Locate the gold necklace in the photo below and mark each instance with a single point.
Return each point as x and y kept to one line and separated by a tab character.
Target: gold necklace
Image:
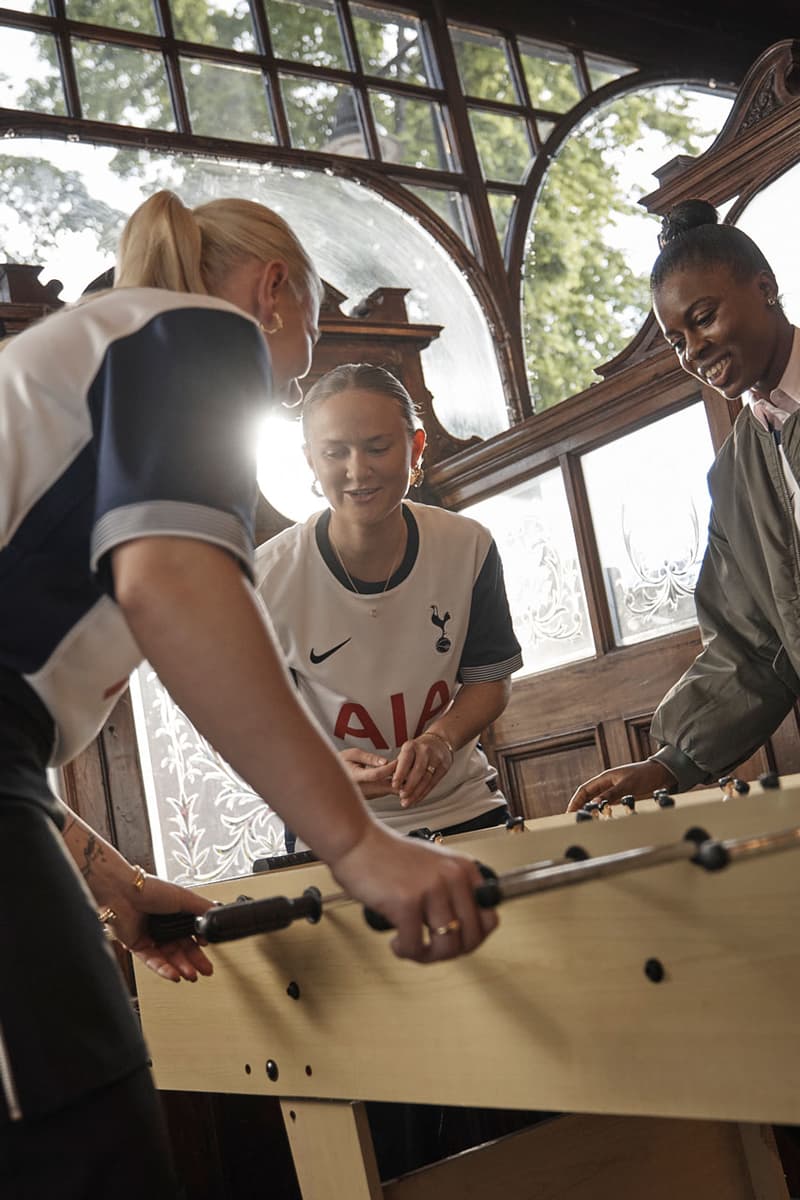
350	579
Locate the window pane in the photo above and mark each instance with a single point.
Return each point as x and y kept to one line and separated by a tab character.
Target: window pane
532	527
358	240
123	85
411	131
30	77
766	219
450	206
322	116
215	23
22	5
503	144
205	822
123	14
483	65
213	89
551	76
603	70
590	244
650	505
391	45
502	206
306	32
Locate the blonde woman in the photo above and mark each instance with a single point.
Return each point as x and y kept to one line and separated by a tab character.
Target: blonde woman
127	491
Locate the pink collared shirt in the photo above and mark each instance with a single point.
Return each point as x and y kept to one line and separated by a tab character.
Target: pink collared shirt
772	413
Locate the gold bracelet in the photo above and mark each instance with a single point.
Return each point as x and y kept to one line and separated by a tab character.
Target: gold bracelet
106	916
440	737
139	876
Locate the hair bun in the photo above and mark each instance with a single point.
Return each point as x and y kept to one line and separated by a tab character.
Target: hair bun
685	216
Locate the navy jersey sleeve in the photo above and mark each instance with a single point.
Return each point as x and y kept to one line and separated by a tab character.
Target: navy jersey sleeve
491	650
175	410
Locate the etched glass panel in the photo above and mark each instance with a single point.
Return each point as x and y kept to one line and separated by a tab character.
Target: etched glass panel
533	530
123	85
411	131
215	23
239	93
322	115
551	76
483	65
650	505
205	822
306	32
122	14
30	77
503	144
392	45
21	5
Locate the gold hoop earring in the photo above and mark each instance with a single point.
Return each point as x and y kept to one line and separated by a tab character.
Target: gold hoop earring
416	475
277	325
317	490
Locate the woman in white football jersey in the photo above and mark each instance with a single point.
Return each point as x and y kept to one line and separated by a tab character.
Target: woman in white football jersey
392	614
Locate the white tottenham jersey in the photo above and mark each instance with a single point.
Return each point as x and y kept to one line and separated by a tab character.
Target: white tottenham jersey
376	669
130	415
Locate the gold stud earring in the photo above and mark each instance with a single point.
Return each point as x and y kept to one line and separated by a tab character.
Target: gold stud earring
416	475
772	301
277	325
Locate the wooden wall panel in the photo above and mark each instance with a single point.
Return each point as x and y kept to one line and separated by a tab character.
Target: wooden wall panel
539	777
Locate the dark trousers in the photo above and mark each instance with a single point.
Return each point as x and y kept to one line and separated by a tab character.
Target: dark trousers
79	1117
110	1145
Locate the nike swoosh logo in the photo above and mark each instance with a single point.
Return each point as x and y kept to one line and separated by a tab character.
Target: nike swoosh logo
318	658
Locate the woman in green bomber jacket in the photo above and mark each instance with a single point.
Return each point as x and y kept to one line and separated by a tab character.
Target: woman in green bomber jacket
715	298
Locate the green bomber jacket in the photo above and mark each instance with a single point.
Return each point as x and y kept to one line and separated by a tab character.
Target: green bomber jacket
746	678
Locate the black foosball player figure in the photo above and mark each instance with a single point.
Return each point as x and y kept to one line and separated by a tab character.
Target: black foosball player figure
716	300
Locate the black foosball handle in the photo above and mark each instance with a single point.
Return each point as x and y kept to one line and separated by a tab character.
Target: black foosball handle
229	922
381	924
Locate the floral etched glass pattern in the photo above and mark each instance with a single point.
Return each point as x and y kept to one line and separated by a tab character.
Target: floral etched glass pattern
533	531
649	503
205	822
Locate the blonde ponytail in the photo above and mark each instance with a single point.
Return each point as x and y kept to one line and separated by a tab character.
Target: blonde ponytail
161	246
165	244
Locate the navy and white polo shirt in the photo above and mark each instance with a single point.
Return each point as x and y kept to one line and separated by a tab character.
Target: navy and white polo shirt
131	415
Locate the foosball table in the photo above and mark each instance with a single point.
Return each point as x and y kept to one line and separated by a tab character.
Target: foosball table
644	979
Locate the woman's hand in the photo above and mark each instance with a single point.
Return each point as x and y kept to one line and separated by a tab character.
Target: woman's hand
422	762
427	892
371	773
632	779
183	959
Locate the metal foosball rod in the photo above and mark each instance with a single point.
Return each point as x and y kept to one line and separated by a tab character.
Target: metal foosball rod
695	847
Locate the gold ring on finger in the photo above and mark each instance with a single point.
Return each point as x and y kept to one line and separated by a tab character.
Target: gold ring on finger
430	769
443	930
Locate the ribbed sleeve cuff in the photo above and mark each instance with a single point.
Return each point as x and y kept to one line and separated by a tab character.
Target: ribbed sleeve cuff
491	672
171	518
682	767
